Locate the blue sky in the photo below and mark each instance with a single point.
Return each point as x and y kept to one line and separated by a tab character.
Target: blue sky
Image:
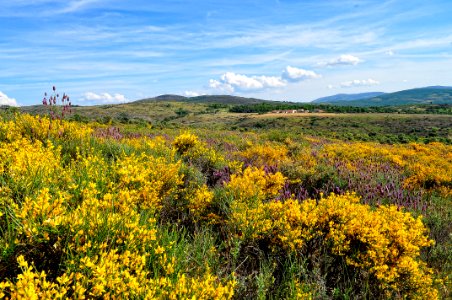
113	51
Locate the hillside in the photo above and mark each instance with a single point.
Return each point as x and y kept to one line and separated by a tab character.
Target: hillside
179	109
161	108
427	95
347	97
218	99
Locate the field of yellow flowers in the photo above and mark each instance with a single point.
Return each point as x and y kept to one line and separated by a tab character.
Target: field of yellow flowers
88	211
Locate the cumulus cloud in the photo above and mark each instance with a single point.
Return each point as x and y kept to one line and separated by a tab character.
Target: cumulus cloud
295	74
230	82
5	100
104	97
357	82
221	86
271	81
344	59
241	82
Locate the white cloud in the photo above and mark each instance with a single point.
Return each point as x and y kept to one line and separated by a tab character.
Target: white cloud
192	94
231	82
330	86
221	86
344	59
242	82
5	100
357	82
271	81
104	97
295	74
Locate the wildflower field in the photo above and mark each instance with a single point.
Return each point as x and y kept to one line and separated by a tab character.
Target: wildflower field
88	210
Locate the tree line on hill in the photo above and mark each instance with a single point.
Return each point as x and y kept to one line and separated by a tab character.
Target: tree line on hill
308	107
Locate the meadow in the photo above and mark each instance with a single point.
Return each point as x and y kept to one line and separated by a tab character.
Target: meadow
388	125
205	204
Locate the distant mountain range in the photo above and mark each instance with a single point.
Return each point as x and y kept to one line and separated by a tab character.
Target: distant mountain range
347	97
425	95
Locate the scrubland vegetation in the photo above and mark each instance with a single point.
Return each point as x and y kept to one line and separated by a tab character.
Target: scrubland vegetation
88	210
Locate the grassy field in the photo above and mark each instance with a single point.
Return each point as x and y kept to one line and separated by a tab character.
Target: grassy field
174	200
381	127
389	128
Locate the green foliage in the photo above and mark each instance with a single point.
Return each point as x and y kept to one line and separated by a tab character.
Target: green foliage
182	112
79	118
345	107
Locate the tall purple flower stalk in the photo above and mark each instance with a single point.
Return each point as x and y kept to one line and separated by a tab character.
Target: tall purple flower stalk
53	101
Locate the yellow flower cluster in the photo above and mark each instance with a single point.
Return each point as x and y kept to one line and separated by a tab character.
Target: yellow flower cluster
32	285
110	276
308	161
302	291
196	152
42	128
185	141
18	162
265	155
255	183
39	215
384	242
200	202
147	179
249	189
205	287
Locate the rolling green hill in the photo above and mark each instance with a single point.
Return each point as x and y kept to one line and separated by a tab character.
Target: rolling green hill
175	108
427	95
347	97
218	99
